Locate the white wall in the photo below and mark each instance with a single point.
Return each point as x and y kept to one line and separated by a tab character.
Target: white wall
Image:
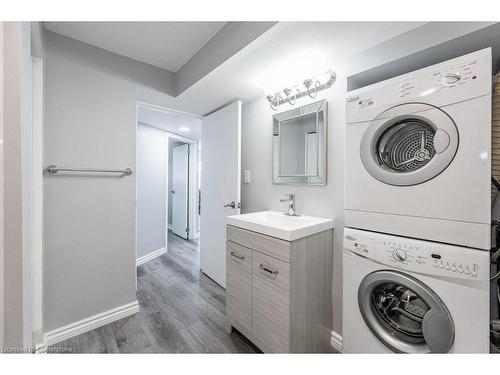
89	237
152	144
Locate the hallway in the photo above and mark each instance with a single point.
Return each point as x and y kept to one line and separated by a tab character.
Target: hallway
181	311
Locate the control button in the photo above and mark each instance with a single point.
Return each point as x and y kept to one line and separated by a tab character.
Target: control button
467	272
435	264
454	269
451	78
460	270
441	266
447	267
399	255
474	273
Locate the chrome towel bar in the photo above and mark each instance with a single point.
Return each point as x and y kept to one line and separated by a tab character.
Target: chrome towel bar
52	169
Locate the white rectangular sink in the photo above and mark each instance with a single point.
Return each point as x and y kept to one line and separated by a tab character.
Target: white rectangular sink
279	225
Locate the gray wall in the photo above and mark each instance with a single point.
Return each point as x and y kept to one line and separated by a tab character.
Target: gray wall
327	201
151	189
89	240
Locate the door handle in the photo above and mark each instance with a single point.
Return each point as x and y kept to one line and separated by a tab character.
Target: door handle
232	204
270	273
172	191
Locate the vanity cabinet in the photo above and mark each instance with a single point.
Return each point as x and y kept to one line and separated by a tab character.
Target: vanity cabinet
279	293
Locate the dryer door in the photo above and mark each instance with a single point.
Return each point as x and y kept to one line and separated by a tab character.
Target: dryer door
409	144
405	314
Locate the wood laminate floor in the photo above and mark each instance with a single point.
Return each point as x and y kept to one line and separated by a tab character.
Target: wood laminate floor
181	311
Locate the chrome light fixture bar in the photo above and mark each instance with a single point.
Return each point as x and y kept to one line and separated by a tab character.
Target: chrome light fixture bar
309	87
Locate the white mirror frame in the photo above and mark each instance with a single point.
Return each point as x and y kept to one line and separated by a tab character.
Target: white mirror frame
320	109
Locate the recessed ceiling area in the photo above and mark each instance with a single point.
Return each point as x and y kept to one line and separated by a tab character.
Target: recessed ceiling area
166	45
181	124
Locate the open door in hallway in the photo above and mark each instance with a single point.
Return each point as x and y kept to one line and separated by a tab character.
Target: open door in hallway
180	190
220	186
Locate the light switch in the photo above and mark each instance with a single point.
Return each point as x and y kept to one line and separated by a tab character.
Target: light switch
246	177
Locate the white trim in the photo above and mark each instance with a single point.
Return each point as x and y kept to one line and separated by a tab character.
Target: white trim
151	256
169	226
37	204
336	342
1	187
88	324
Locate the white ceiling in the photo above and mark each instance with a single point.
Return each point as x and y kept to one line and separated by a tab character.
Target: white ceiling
167	45
171	122
284	55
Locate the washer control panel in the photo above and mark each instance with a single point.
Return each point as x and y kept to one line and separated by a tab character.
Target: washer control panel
419	256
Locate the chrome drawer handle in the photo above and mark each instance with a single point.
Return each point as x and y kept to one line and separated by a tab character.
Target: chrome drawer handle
240	257
269	272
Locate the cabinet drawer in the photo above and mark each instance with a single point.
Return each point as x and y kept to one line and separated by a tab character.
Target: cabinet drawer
268	245
271	303
239	286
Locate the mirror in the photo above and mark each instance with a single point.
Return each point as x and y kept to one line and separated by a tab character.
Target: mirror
299	145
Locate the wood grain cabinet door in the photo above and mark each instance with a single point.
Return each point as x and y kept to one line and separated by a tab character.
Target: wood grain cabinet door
239	286
271	303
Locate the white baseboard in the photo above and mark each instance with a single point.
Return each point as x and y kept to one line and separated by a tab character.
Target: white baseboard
151	256
88	324
170	226
336	342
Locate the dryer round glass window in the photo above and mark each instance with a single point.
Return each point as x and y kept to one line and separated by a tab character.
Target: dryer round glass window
405	314
409	144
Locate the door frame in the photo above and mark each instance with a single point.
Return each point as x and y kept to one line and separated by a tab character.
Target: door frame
37	203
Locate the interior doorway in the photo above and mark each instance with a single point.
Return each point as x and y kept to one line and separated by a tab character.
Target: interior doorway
167	160
183	188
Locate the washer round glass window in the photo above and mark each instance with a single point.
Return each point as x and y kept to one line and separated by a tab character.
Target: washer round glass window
409	144
405	314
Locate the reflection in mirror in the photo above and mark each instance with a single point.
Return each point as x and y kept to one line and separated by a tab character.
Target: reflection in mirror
299	146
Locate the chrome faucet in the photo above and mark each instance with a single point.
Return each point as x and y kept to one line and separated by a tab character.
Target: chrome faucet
291	204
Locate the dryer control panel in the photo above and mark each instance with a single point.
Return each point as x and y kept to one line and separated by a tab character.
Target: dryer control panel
452	81
419	256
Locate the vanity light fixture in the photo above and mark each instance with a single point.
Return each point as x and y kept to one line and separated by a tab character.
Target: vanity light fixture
309	87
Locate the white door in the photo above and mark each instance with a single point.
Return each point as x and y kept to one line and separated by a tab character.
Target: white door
220	186
180	190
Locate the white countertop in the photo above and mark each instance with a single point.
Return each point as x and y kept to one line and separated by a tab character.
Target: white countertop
279	225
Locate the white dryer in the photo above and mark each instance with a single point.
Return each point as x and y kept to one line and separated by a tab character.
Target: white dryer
418	153
412	296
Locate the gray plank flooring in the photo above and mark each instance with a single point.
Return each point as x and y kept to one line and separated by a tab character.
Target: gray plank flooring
181	311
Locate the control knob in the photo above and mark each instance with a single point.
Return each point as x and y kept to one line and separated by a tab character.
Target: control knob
451	78
399	255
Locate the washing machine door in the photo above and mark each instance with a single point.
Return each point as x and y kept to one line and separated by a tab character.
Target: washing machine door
409	144
405	314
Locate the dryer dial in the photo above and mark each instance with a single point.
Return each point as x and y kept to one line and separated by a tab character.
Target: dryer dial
451	77
399	255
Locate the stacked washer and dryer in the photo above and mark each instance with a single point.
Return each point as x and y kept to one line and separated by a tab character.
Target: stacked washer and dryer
417	211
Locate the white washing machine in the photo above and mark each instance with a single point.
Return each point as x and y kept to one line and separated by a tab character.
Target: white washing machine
412	296
418	153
